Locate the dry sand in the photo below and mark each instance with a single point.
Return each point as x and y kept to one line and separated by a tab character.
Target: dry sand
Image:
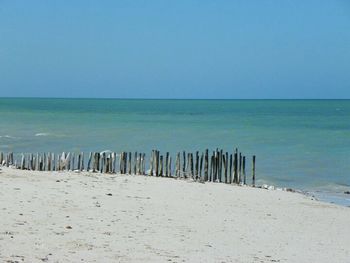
71	217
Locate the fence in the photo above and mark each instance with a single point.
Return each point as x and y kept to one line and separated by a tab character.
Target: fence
216	166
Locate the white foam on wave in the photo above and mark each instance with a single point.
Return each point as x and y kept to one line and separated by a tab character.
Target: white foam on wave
8	137
42	134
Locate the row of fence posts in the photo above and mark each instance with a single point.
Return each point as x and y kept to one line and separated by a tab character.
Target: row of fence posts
216	166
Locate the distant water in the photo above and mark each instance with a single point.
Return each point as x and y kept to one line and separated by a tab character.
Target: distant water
303	144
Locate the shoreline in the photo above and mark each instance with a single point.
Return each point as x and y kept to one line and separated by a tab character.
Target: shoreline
70	217
338	198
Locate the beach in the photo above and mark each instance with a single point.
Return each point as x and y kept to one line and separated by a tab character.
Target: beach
92	217
299	144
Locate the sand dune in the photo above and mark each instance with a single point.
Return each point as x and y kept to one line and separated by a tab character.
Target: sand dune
84	217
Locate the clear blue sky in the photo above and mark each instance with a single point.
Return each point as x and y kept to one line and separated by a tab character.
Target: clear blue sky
175	49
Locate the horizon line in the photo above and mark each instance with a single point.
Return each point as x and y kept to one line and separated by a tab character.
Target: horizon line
116	98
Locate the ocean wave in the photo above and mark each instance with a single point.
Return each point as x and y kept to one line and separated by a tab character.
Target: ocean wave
8	137
42	134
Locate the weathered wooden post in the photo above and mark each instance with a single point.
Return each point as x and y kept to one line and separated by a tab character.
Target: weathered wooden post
33	161
139	164
40	163
210	166
59	162
121	156
36	162
94	166
49	161
191	166
230	174
67	161
235	167
253	170
82	162
114	161
184	164
226	168
169	167
125	166
44	162
240	169
215	166
161	166
79	161
211	174
135	163
244	177
122	168
27	161
23	162
105	162
206	164
73	162
129	163
125	163
151	163
109	162
7	160
89	162
200	168
220	165
157	162
119	163
54	162
177	161
167	164
197	166
143	164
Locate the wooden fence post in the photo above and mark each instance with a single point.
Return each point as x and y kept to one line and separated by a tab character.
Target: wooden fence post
253	171
167	164
157	163
206	164
161	166
240	169
244	177
169	167
197	166
184	164
235	168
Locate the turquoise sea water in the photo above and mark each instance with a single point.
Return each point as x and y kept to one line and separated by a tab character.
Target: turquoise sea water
303	144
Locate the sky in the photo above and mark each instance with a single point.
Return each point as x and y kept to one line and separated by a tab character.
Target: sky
256	49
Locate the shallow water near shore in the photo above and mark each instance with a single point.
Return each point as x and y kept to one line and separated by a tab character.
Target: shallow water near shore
301	144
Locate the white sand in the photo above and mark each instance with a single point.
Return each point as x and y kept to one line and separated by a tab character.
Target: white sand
149	219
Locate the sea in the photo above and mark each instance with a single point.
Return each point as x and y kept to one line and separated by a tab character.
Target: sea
299	144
